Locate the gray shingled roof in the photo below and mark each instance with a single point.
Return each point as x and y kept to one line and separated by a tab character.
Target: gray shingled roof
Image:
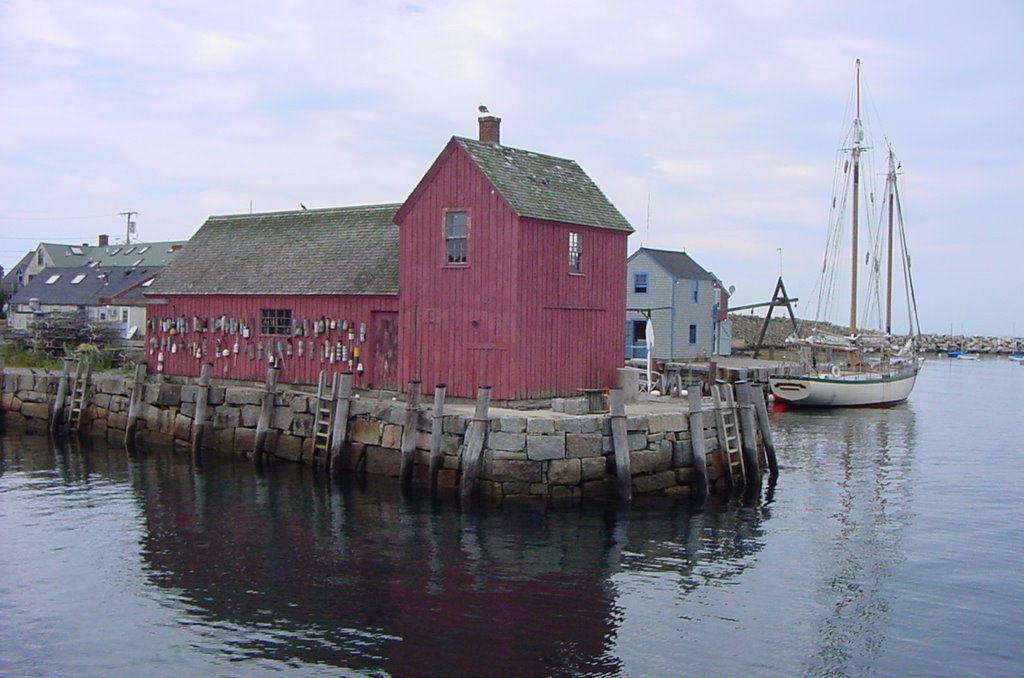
677	264
84	286
343	250
545	187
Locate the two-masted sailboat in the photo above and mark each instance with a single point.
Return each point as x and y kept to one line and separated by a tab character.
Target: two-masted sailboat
863	367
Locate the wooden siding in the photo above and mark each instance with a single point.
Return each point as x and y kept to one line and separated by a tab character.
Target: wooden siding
457	320
248	363
570	324
513	317
672	327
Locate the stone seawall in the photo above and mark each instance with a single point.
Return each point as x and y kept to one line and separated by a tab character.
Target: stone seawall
526	453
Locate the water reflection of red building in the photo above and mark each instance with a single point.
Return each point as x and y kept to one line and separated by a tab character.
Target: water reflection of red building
356	578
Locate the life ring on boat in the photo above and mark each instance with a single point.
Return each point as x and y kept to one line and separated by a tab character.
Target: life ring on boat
836	371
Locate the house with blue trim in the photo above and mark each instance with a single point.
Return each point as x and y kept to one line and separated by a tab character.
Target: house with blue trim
687	305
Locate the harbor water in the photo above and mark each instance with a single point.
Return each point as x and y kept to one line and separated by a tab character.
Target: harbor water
890	544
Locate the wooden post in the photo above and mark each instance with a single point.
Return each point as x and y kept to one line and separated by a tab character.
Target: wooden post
266	413
412	413
202	400
342	405
57	411
134	405
3	385
748	437
436	436
764	426
697	444
620	442
473	446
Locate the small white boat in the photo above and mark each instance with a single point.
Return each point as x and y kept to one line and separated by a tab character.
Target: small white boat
967	356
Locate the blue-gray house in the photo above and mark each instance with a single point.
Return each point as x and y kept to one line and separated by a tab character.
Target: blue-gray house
687	305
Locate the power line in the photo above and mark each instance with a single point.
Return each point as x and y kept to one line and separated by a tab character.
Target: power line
8	217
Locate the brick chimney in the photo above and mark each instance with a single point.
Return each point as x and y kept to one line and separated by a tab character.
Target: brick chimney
103	240
490	129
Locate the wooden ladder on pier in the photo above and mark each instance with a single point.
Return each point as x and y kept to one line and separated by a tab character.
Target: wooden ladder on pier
323	421
79	395
729	433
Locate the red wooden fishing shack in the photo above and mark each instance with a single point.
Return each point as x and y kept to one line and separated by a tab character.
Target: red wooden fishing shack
503	267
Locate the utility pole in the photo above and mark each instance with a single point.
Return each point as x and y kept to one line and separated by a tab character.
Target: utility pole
129	225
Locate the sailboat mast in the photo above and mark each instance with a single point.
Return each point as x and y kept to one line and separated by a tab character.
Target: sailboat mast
858	137
891	185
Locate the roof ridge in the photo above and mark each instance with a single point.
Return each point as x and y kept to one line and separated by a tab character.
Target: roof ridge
312	210
492	145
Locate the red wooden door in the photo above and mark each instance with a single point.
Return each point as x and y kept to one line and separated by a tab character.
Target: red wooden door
385	350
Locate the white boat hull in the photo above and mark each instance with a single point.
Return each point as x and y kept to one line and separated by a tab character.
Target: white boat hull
845	390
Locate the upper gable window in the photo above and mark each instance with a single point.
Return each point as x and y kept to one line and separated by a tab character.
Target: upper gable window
575	252
694	290
39	257
456	234
640	283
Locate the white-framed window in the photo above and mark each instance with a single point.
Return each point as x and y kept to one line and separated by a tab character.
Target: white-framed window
640	283
694	290
575	252
456	235
78	278
53	279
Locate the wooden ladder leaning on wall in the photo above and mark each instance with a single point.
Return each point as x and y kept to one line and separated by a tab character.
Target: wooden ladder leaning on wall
79	396
729	434
322	422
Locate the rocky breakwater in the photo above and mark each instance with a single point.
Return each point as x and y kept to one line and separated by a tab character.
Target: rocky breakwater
558	452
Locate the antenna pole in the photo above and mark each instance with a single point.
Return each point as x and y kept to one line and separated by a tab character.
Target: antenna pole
129	225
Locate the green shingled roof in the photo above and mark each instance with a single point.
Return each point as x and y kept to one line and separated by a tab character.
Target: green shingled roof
134	254
344	250
541	186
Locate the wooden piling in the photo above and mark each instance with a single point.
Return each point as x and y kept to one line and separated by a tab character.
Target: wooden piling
474	442
202	401
697	444
764	426
620	442
266	414
57	415
134	407
412	413
748	436
342	405
436	436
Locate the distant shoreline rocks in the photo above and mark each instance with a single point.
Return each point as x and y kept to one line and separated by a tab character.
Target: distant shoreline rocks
745	330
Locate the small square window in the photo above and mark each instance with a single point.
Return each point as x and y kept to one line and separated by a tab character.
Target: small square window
456	233
640	283
276	321
575	252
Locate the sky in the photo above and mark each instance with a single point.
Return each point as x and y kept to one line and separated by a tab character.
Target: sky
713	127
